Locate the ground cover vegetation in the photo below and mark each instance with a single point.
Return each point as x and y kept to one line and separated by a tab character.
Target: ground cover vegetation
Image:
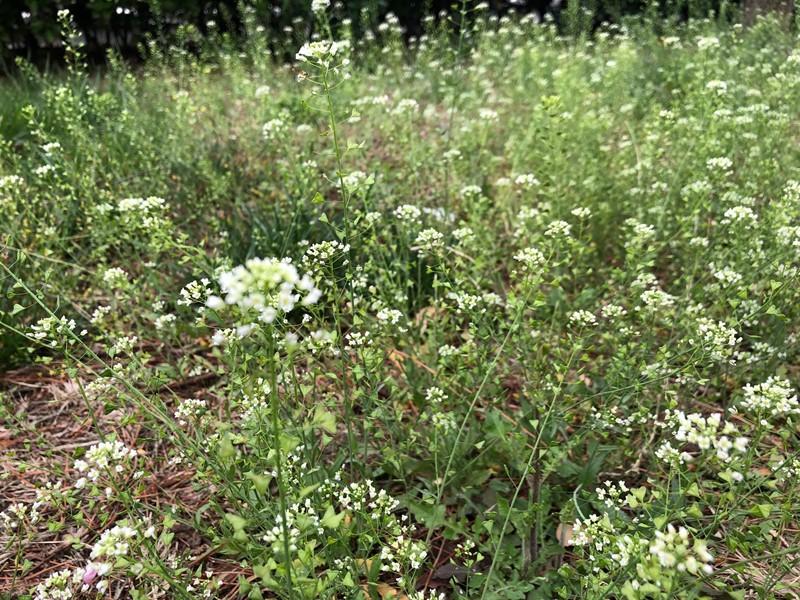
501	311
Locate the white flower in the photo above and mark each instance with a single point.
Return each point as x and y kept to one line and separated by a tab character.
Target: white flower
190	409
487	114
274	129
674	550
105	458
429	241
582	318
526	180
267	286
742	215
581	212
164	321
530	259
721	163
558	228
113	542
321	52
408	212
115	277
357	180
471	191
719	339
319	6
406	106
775	397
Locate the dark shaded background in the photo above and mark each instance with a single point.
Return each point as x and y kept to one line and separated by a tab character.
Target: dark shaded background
30	29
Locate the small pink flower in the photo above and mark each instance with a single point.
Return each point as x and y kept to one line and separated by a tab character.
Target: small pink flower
90	574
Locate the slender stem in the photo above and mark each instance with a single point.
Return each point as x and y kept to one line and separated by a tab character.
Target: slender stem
275	405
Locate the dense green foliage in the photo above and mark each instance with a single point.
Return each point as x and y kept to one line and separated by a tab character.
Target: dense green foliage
29	28
502	314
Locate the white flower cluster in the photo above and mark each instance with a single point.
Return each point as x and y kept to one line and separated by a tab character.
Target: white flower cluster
300	518
58	586
402	550
641	233
357	180
740	215
322	53
319	257
707	433
429	241
274	129
267	286
488	115
114	542
717	338
364	497
773	398
613	311
725	275
255	404
613	495
319	6
115	278
164	321
526	180
582	318
673	549
16	514
582	212
656	299
405	106
53	331
123	345
408	212
471	191
103	458
358	339
10	182
195	292
465	235
144	213
190	410
467	303
557	229
530	259
789	235
599	533
391	316
719	163
430	595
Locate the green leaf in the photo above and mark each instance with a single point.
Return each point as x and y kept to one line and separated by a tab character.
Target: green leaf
307	490
260	482
262	571
226	448
324	420
331	520
695	511
238	523
761	510
255	594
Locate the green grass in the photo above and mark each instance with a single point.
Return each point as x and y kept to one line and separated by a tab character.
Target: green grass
534	333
